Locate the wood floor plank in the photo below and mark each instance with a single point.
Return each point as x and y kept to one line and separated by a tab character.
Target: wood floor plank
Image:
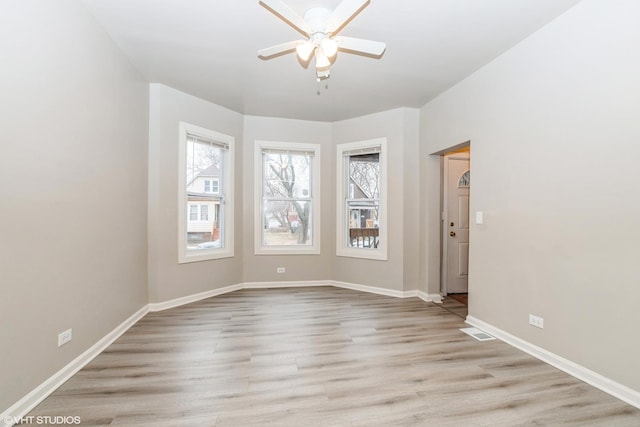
322	357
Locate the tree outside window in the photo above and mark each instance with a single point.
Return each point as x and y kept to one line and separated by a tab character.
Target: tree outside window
288	197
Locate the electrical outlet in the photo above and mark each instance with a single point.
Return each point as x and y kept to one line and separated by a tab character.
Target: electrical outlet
536	321
64	337
280	270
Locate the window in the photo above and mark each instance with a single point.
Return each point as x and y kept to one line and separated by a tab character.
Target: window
465	180
198	213
361	205
287	188
212	186
205	194
204	212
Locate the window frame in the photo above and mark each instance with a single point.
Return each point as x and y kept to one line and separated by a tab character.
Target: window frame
259	248
227	192
342	194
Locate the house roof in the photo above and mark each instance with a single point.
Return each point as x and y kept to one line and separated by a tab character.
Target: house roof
212	170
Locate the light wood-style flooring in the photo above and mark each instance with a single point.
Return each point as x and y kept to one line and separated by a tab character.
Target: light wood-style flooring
455	306
322	356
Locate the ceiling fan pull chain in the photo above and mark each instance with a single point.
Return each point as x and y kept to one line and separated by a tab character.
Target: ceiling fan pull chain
319	90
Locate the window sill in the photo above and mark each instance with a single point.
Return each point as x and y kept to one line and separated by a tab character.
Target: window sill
205	255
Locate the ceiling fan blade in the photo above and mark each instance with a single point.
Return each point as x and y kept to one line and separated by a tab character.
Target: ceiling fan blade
345	12
362	46
290	16
280	49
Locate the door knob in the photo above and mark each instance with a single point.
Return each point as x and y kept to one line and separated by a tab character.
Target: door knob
452	234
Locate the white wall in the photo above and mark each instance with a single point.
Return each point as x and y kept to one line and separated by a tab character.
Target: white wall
262	268
555	142
401	270
413	194
73	168
167	278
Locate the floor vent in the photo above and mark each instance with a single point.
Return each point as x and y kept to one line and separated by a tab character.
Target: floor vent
478	334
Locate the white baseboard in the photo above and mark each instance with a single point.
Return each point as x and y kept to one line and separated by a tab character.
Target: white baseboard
436	298
37	395
615	389
285	284
346	285
31	400
160	306
368	289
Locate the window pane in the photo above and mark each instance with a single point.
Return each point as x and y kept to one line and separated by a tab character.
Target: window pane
286	198
465	180
206	231
364	174
363	205
205	162
287	175
363	224
287	223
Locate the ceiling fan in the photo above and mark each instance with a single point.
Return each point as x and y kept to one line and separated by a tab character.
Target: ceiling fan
320	26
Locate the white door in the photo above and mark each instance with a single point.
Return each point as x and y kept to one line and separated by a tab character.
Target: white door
456	223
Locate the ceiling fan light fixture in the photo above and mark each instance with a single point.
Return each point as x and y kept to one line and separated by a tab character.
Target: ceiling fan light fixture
329	47
322	62
321	26
323	74
304	50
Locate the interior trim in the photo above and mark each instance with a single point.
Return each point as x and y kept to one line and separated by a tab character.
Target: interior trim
23	406
37	395
153	307
177	302
601	382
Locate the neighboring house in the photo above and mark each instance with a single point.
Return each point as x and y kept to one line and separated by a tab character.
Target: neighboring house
203	196
363	194
362	212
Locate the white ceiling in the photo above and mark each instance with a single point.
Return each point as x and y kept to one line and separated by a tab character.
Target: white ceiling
208	48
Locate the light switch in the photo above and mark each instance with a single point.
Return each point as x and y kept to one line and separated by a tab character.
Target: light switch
479	217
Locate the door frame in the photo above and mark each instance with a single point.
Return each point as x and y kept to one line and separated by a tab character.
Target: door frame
465	148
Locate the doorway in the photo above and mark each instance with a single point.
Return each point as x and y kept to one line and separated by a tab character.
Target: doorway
455	190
